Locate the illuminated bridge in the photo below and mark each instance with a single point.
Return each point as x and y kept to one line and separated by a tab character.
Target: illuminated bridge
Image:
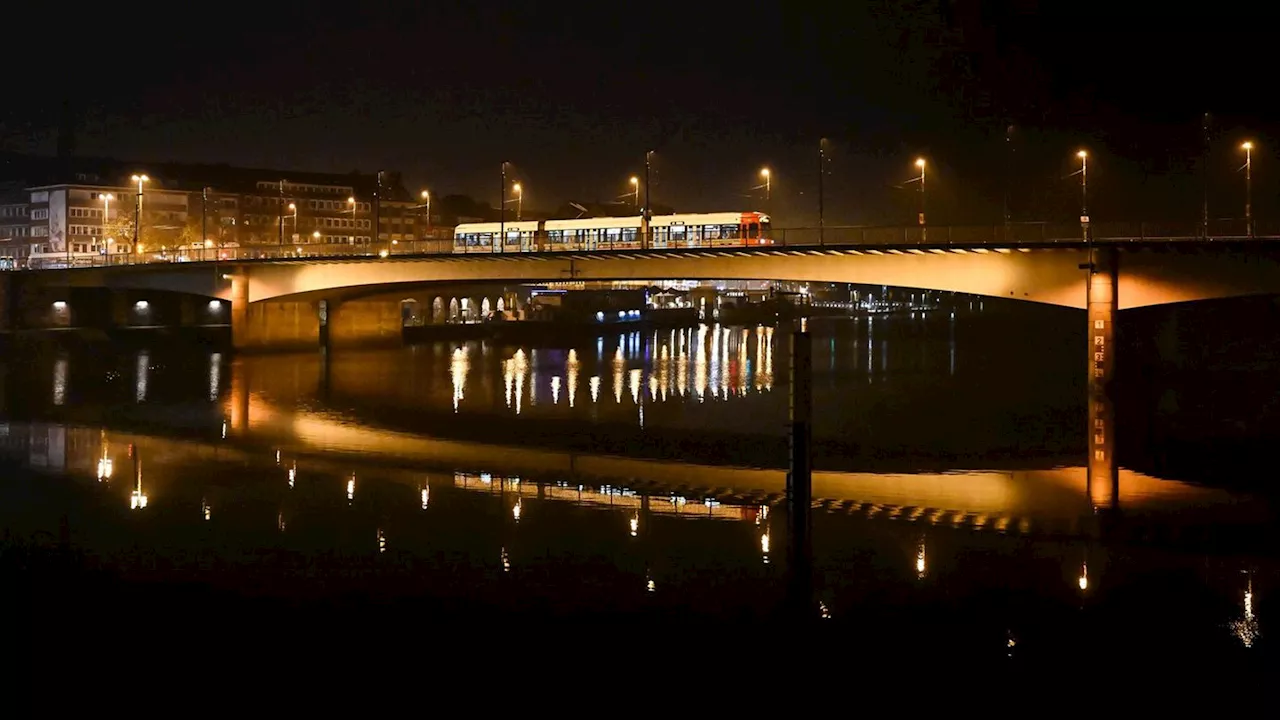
293	301
299	301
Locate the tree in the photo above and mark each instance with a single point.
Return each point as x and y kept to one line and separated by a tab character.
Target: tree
119	225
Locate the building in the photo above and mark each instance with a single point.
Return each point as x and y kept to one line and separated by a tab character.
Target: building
58	211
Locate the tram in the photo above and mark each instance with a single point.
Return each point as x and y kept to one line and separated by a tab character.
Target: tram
726	229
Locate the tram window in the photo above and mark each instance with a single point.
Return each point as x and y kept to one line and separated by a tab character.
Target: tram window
766	229
629	234
753	231
555	236
729	231
712	232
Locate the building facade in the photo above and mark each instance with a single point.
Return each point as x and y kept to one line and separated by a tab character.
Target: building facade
96	207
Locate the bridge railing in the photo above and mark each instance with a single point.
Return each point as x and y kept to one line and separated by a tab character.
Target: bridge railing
1008	235
1037	233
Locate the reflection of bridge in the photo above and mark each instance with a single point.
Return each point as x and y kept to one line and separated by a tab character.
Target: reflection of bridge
1009	502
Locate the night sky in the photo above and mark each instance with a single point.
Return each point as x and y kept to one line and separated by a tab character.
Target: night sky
573	95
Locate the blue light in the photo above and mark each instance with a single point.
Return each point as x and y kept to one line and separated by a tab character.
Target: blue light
622	314
600	316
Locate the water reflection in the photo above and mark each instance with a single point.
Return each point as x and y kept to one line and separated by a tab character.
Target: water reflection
668	528
142	370
137	499
215	376
60	380
459	367
1246	627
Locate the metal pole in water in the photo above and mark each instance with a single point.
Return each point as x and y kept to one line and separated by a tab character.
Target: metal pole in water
799	479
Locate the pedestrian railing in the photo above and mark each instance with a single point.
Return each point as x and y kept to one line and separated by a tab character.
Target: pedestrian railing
941	236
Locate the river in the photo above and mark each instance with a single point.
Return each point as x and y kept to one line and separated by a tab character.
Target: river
641	472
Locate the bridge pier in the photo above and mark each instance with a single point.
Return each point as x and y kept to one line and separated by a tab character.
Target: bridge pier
365	323
239	308
1102	311
272	324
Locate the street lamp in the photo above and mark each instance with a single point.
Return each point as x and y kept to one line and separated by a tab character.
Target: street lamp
519	191
635	190
1248	186
768	184
1084	184
137	214
293	209
352	202
426	200
106	216
315	236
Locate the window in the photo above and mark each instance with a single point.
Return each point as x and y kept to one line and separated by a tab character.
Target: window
41	214
40	231
40	197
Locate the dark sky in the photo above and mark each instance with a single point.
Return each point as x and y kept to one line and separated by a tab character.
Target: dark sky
572	96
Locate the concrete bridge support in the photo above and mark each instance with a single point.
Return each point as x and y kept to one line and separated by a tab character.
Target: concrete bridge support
311	323
365	323
1102	311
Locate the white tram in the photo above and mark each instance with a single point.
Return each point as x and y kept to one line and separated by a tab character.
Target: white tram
728	229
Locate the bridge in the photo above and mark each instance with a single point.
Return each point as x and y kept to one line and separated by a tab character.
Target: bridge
289	299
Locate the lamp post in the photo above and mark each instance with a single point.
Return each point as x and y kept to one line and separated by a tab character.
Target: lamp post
426	201
647	218
768	184
1248	187
635	191
315	236
502	212
106	217
1084	185
293	210
137	215
822	170
1084	205
519	191
280	213
920	163
352	202
204	226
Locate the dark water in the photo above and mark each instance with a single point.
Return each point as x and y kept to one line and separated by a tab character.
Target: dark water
637	476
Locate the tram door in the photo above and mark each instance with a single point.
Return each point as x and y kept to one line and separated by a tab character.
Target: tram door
658	236
677	236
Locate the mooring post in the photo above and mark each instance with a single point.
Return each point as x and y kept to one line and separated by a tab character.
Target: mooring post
799	479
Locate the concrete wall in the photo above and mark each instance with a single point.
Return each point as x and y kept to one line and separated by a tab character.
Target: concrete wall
278	325
365	323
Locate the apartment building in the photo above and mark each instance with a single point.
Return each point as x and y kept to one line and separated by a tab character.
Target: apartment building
88	206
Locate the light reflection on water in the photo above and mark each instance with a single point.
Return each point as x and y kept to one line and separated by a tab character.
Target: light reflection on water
673	528
917	525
